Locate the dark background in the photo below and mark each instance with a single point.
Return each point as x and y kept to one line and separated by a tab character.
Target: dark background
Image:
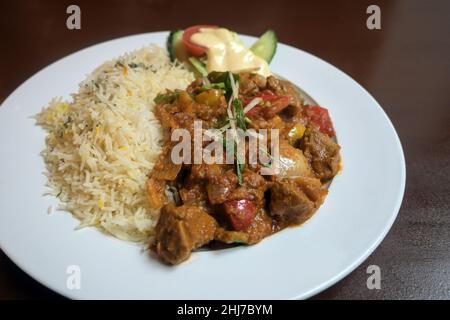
405	66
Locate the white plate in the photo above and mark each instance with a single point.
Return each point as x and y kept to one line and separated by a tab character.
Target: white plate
296	263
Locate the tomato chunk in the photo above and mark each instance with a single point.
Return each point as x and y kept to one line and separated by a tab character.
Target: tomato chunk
241	213
272	105
192	48
321	118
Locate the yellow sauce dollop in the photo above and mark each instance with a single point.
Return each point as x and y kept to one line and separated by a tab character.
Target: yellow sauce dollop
225	52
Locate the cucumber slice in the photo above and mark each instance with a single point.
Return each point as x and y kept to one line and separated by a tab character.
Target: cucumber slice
266	46
198	66
177	51
175	46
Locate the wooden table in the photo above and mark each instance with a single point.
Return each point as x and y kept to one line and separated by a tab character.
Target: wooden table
405	66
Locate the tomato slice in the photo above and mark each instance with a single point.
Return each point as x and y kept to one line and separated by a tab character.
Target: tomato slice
321	118
192	48
241	213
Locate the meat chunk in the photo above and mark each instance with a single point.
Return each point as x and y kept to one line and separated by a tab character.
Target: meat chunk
156	193
251	83
220	186
193	193
252	188
205	171
285	88
165	168
293	201
181	230
322	152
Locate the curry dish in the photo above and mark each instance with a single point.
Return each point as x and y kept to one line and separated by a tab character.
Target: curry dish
235	203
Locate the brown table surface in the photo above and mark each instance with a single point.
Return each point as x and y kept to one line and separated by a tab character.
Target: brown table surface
405	66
